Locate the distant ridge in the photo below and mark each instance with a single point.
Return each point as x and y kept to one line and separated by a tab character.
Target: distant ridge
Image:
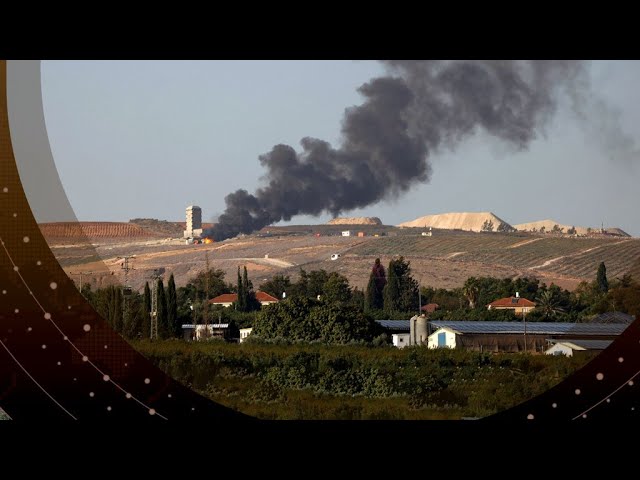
549	224
470	221
355	221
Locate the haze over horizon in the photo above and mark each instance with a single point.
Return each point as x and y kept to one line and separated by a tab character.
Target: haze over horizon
146	139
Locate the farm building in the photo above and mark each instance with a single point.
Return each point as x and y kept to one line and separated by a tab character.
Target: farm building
346	233
400	340
496	336
202	332
511	337
517	304
244	333
570	347
227	299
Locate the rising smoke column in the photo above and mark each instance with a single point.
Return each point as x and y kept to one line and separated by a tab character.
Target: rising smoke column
417	109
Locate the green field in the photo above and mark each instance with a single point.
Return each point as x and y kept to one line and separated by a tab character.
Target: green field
356	382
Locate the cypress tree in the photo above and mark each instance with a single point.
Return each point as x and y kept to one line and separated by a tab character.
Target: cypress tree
601	278
163	325
371	295
146	311
172	308
391	291
240	301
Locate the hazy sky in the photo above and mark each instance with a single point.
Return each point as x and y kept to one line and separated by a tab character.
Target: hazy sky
146	139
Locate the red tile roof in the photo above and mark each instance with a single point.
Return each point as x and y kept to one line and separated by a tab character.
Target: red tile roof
265	297
430	307
225	298
512	302
233	297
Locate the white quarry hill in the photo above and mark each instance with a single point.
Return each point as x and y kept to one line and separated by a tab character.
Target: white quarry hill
470	221
355	221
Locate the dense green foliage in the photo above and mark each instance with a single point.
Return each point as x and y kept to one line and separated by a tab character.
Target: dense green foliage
312	381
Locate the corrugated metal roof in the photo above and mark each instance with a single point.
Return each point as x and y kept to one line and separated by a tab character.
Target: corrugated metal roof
586	344
394	324
533	328
613	317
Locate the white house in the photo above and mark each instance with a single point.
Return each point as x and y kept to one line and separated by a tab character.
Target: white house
400	340
442	338
244	333
346	233
569	347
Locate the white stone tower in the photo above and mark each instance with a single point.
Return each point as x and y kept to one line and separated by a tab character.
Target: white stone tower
194	222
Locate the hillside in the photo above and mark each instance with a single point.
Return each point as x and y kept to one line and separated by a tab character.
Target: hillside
549	224
79	231
469	221
355	221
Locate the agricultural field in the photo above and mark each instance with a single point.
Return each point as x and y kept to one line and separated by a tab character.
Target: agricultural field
445	259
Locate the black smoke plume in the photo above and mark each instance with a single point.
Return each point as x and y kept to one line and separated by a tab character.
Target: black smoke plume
408	115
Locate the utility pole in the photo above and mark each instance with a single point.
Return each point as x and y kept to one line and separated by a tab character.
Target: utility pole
157	274
81	274
126	289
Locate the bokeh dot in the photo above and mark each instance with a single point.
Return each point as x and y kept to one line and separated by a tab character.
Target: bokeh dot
15	215
108	409
169	395
44	346
106	378
530	416
631	383
5	190
69	307
608	400
59	363
91	394
147	381
29	329
38	263
53	285
554	405
584	415
152	411
17	310
577	391
4	292
47	316
620	359
106	346
15	269
599	376
128	395
85	358
86	327
65	338
25	239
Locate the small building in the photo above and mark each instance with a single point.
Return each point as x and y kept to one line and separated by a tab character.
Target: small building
361	234
346	233
228	299
244	333
429	307
400	340
517	304
194	222
335	256
515	336
203	332
570	347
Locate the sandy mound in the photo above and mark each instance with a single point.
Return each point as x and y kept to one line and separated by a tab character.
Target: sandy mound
355	221
470	221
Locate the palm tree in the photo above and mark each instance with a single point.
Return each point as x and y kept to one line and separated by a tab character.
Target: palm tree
471	290
548	304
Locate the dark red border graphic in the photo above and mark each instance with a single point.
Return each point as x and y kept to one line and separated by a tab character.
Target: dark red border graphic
60	360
